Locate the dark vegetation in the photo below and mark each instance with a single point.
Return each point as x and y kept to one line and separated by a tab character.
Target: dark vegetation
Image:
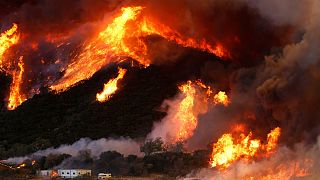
171	161
50	119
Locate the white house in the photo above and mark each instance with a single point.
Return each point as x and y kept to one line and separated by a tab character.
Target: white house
104	175
45	172
73	173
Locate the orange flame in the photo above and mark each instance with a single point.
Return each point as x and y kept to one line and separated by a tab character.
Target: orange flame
54	173
187	119
16	97
229	149
124	37
272	140
286	171
221	98
194	102
7	39
21	166
111	87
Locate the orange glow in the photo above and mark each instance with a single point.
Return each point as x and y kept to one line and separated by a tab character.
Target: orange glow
7	39
272	140
290	169
111	87
194	102
54	173
271	170
16	97
229	149
185	115
125	37
21	166
221	98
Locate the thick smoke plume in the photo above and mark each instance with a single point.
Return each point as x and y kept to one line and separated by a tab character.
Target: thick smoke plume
125	146
281	90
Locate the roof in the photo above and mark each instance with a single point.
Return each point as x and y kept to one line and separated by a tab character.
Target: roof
4	166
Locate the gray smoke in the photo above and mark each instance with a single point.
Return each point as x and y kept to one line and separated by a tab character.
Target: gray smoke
280	91
125	146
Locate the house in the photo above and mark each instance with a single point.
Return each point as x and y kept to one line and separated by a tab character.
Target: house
4	166
48	173
73	173
104	175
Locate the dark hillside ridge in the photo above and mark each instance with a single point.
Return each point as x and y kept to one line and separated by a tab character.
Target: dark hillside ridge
52	119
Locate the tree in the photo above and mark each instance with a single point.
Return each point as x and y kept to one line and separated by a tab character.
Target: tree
85	156
178	147
53	160
152	146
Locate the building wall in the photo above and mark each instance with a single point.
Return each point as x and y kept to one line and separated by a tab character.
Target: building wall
72	173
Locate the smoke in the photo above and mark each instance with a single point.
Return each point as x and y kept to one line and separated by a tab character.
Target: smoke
301	161
284	8
125	146
182	112
280	90
286	84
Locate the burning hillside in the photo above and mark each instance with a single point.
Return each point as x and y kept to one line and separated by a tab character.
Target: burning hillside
232	77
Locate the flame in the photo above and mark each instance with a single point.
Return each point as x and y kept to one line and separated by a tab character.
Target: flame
221	98
185	115
229	149
21	166
111	87
7	39
194	102
16	97
54	173
270	169
272	140
286	171
124	37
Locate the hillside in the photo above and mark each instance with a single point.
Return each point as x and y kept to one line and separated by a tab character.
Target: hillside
51	119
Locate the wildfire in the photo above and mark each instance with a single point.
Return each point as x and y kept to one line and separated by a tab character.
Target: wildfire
125	37
16	97
229	149
187	119
21	166
221	98
288	171
272	140
194	102
7	39
111	87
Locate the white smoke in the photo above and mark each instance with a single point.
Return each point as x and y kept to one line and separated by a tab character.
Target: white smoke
168	128
125	146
